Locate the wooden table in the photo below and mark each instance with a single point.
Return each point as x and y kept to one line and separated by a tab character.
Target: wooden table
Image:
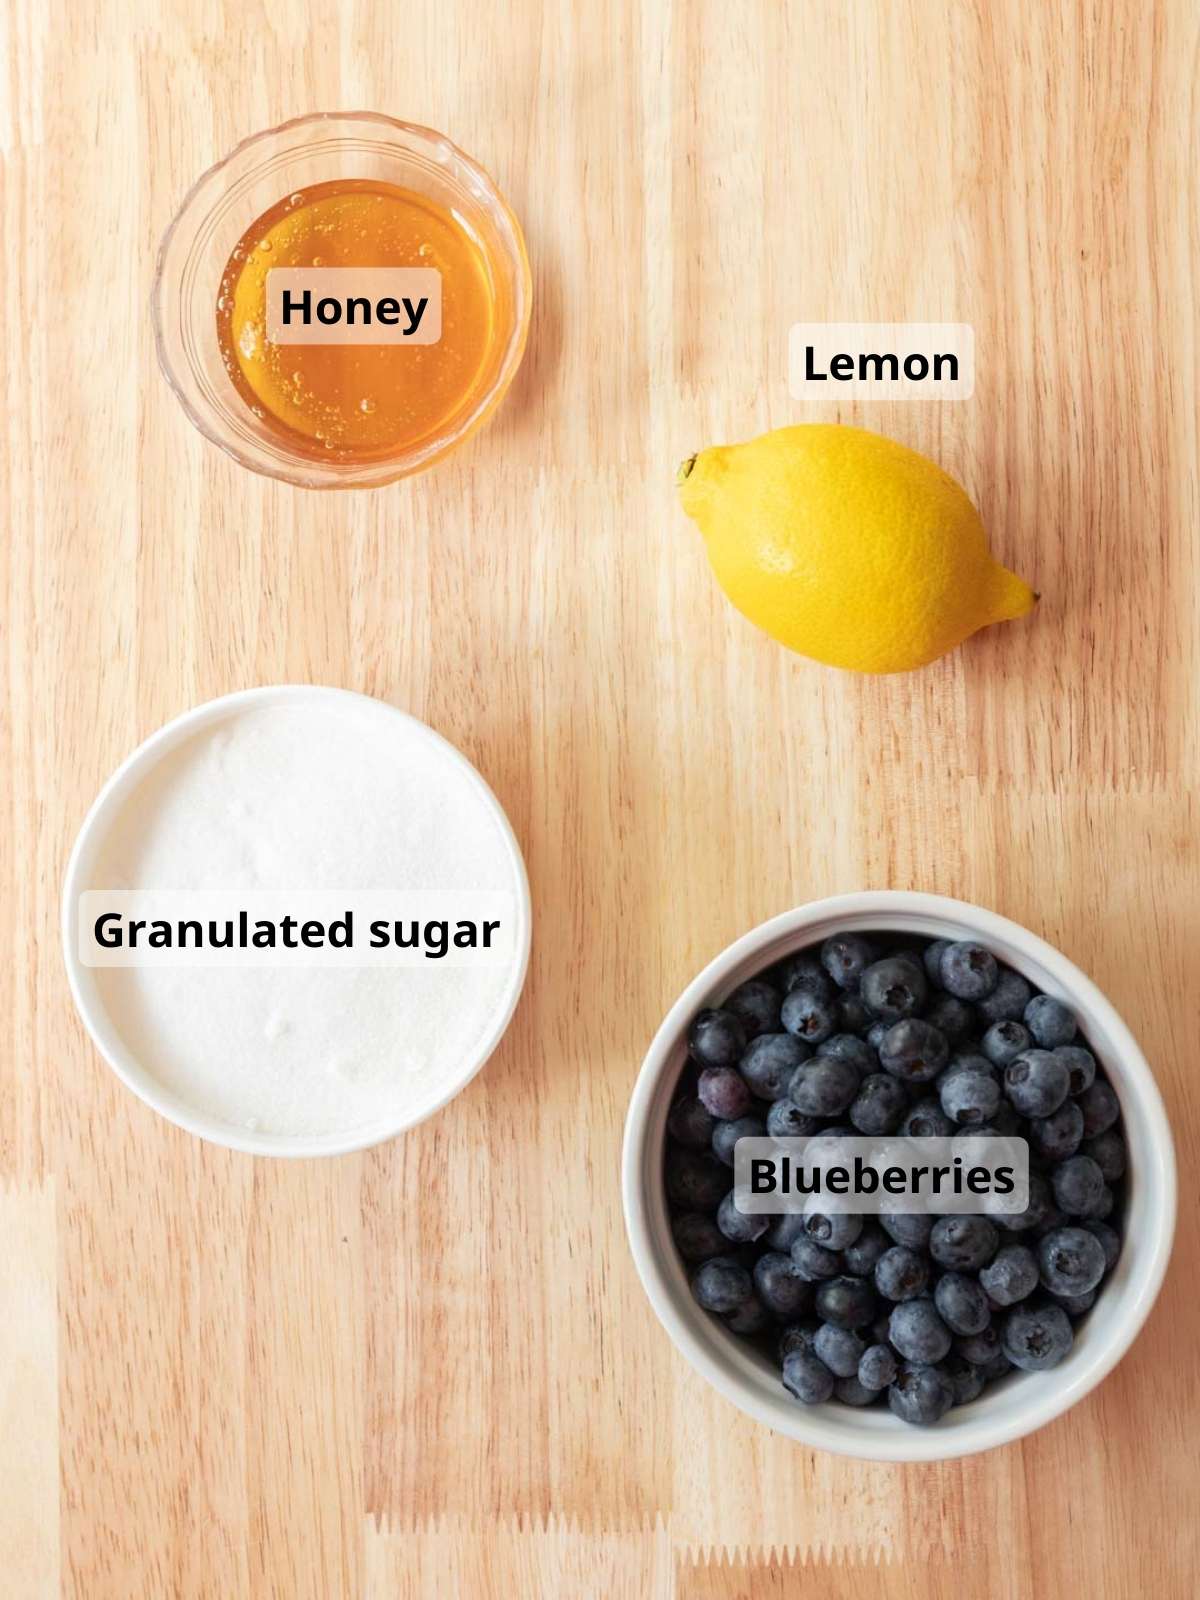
222	1377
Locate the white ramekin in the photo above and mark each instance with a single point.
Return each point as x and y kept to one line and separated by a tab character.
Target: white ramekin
134	1073
1020	1402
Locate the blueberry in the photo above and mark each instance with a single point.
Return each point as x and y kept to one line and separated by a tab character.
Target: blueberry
799	1336
932	957
691	1123
1071	1261
755	1004
969	1097
981	1347
824	1086
1110	1242
875	1034
846	1047
920	1395
965	1379
1035	1213
727	1134
1011	1275
852	1015
927	1120
807	1015
1058	1137
780	1287
1100	1108
769	1061
961	1303
807	1378
1104	1206
724	1092
1049	1021
845	957
894	988
785	1120
1037	1337
834	1230
697	1237
749	1318
846	1302
1004	1041
917	1332
813	1262
968	971
737	1227
951	1016
861	1256
879	1105
901	1273
963	1243
1078	1187
852	1393
1036	1082
1075	1305
694	1181
722	1285
914	1051
878	1366
997	1367
1081	1066
716	1039
908	1227
839	1348
1006	1119
785	1230
806	970
1008	999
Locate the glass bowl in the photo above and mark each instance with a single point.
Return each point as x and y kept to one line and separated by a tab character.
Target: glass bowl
232	195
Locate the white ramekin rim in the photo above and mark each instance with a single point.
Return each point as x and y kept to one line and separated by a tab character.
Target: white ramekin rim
139	1078
1024	1402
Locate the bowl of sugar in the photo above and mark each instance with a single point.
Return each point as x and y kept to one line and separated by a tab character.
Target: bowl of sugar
296	921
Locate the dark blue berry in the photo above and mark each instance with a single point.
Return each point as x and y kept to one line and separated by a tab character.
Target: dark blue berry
834	1230
879	1105
927	1120
724	1092
799	1336
813	1262
951	1016
845	1047
824	1086
961	1303
1049	1021
722	1285
969	1097
917	1332
920	1395
997	1367
1035	1213
932	957
968	971
716	1039
693	1180
769	1061
908	1227
839	1348
845	958
878	1366
697	1237
965	1379
1037	1337
1058	1137
1036	1082
727	1134
785	1120
1100	1108
805	969
846	1302
914	1051
750	1317
755	1004
1004	1041
852	1014
1110	1242
901	1273
1081	1066
785	1230
876	1033
1011	1275
963	1243
807	1378
1075	1305
852	1393
808	1015
894	988
691	1123
780	1287
1078	1187
1008	999
860	1256
981	1347
737	1227
1071	1261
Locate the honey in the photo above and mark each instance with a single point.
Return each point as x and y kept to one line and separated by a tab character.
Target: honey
357	402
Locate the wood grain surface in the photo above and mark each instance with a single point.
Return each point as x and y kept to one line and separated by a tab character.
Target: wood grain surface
430	1370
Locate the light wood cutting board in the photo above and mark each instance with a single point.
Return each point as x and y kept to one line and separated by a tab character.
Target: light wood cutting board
222	1377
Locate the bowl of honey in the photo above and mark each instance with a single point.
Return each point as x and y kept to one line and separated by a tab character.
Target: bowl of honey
369	389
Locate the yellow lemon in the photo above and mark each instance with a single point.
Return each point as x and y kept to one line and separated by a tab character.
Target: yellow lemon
848	547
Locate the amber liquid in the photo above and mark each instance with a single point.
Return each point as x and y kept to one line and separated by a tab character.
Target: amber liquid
357	402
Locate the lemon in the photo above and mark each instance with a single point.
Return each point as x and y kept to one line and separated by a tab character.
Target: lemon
847	547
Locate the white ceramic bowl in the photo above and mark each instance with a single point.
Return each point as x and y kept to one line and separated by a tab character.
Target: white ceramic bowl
138	1075
1020	1402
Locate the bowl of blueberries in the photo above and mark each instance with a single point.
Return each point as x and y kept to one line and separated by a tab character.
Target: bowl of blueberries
909	1336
